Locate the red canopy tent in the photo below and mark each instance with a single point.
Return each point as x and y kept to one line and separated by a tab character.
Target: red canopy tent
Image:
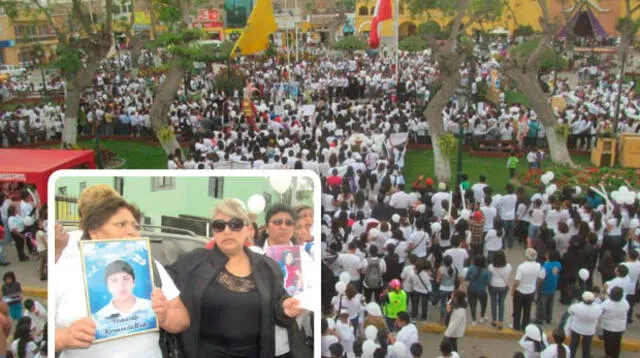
34	166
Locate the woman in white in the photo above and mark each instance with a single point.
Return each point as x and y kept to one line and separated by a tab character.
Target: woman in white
558	349
421	283
533	342
562	237
109	218
584	319
352	301
614	321
500	271
493	240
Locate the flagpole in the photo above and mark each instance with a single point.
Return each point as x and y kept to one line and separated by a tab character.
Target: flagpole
397	27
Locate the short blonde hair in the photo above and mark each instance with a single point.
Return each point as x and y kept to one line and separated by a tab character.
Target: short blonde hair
92	196
232	208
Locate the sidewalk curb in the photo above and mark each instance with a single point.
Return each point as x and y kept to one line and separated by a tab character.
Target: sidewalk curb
631	345
35	292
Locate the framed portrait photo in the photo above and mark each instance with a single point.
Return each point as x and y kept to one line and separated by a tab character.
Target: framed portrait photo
119	280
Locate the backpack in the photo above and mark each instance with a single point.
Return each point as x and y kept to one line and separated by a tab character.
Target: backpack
373	275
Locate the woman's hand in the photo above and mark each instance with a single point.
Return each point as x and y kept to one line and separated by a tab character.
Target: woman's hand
61	240
80	334
160	305
291	307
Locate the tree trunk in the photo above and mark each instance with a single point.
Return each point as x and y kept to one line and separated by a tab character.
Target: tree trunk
165	95
72	106
527	84
433	114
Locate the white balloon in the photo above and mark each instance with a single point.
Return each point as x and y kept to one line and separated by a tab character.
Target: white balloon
550	190
623	189
578	190
345	277
436	227
584	274
400	349
545	179
551	176
629	198
280	183
373	309
634	224
371	332
28	221
618	197
340	287
256	203
368	347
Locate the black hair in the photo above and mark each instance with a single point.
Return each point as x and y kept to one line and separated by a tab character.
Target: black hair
28	304
445	347
447	261
336	350
10	275
416	350
616	294
279	208
23	335
558	337
118	266
404	316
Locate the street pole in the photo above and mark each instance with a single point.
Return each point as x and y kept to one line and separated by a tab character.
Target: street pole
44	82
396	24
616	118
460	144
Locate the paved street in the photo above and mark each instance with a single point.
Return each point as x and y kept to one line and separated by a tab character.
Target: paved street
26	272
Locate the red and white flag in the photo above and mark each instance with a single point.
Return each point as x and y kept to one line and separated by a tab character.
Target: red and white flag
383	12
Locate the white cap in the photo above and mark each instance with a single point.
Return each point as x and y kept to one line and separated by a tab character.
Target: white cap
374	233
442	186
532	331
395	218
588	296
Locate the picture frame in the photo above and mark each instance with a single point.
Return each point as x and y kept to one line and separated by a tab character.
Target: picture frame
118	281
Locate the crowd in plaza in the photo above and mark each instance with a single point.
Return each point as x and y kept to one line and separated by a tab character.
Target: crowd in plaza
406	246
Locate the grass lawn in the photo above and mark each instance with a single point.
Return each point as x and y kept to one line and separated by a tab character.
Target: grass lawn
137	155
420	162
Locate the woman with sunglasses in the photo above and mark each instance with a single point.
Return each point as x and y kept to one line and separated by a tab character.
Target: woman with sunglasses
235	296
110	217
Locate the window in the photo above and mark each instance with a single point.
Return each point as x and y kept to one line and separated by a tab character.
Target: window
163	183
62	191
215	187
81	187
364	11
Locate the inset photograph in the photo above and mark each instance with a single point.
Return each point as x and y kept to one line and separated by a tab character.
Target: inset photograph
146	265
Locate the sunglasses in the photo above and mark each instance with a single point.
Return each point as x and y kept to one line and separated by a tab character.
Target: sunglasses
233	224
279	222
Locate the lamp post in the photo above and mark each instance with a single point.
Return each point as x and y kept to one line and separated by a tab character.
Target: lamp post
96	132
462	97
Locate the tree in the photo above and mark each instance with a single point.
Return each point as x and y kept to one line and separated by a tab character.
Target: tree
522	69
350	44
627	27
449	59
177	41
413	44
81	48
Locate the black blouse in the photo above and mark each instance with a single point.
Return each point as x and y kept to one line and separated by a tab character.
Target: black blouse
230	310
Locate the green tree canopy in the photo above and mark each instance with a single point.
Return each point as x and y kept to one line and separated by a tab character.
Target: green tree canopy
350	43
413	44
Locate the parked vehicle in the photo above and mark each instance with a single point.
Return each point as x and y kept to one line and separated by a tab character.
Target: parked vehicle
12	70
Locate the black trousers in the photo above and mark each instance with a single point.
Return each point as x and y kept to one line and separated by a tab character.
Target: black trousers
632	300
376	294
474	297
423	298
453	342
522	310
612	342
19	239
586	344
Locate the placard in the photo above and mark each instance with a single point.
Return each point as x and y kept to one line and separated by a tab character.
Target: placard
288	257
118	285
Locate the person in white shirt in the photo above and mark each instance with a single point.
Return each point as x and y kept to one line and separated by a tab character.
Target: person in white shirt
374	288
621	280
633	265
419	241
38	315
614	318
350	262
437	199
407	331
478	189
458	254
23	345
401	201
524	288
507	213
584	319
500	271
328	338
533	342
345	331
558	349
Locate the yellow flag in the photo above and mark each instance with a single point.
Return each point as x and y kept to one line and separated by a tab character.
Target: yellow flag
260	25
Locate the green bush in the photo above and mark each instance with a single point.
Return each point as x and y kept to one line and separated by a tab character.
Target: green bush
413	44
350	44
429	28
229	81
523	30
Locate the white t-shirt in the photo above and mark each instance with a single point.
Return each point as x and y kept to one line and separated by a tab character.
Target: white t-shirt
499	275
29	351
71	305
353	305
552	351
584	318
419	240
408	335
492	242
458	255
326	342
508	207
527	273
478	192
349	263
634	274
614	315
